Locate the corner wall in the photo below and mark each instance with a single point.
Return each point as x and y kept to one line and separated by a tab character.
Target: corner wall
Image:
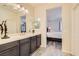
67	27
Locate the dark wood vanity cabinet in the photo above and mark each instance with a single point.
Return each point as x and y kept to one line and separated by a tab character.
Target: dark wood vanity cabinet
10	49
25	47
29	45
38	39
10	52
32	44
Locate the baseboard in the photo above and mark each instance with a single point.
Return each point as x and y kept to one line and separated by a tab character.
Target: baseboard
42	46
67	52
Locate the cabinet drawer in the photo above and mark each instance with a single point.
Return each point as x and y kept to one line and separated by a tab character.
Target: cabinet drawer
14	51
8	45
24	40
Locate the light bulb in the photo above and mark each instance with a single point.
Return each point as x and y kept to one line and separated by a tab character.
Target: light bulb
22	8
18	6
38	19
26	11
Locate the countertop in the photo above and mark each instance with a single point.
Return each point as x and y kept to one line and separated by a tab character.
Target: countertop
17	36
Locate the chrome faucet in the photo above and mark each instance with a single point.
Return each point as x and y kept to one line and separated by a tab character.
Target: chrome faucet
4	29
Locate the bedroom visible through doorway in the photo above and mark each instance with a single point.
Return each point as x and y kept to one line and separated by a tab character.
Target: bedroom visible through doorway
54	28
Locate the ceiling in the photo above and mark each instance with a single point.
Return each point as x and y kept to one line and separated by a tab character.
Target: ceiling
42	4
37	4
33	4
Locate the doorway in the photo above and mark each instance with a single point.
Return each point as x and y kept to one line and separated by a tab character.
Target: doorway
54	27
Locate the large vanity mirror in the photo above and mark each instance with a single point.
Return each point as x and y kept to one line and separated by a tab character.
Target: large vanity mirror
15	16
23	23
36	23
18	19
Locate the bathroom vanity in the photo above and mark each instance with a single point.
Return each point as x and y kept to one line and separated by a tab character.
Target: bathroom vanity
23	45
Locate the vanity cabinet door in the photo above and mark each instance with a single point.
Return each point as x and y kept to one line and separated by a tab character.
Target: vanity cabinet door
38	43
10	49
33	44
25	47
14	51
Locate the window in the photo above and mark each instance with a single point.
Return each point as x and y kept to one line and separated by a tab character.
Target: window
54	19
23	23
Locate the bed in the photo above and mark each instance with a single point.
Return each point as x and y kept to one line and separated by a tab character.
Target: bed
55	36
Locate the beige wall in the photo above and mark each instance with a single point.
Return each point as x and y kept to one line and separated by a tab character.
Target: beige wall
75	30
67	27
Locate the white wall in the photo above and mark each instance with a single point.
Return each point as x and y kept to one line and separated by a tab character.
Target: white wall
66	19
75	30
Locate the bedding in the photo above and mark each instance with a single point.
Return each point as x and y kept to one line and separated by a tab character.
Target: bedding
54	34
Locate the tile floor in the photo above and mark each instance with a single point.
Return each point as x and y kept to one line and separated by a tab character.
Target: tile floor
52	49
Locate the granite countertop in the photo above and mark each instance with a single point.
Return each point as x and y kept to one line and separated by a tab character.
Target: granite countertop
17	36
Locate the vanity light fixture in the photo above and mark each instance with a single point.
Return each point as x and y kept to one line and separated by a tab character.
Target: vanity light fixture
22	9
18	7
